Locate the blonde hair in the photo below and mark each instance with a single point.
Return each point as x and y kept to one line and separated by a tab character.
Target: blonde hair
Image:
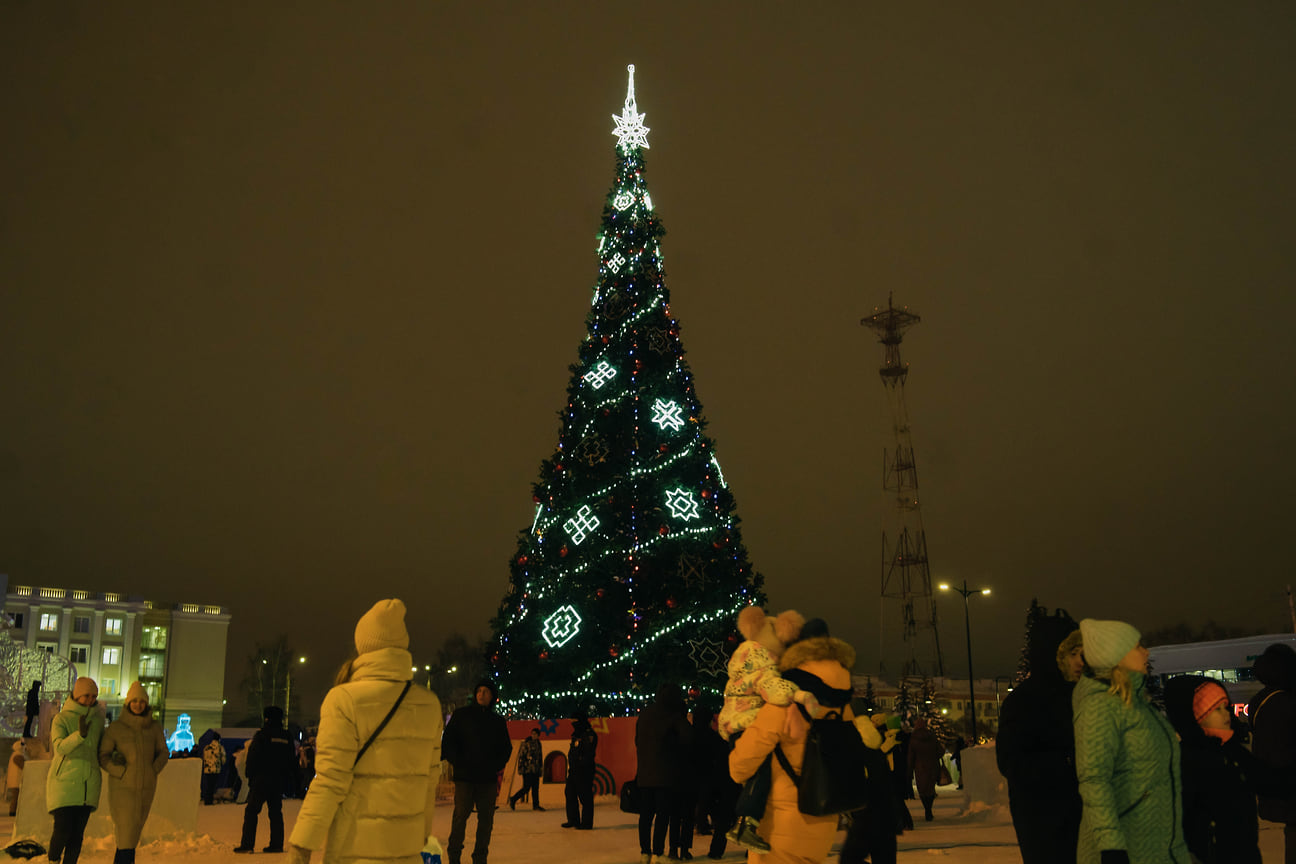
344	671
1122	686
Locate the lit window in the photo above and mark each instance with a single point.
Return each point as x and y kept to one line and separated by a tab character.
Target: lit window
107	686
111	656
49	622
112	626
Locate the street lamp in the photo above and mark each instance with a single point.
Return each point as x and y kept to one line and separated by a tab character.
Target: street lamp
288	689
967	624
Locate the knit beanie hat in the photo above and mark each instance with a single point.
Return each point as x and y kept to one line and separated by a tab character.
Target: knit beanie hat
383	626
136	691
1206	697
85	686
1107	642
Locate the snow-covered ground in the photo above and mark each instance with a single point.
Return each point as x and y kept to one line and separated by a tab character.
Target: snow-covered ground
961	834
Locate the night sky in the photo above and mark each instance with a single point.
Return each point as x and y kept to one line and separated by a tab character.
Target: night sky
288	293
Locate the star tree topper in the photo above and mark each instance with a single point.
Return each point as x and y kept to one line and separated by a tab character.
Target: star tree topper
630	131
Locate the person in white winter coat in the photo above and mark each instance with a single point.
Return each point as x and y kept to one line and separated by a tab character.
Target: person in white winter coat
376	805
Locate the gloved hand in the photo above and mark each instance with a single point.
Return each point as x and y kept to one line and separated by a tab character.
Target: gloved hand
85	726
808	701
298	855
1115	856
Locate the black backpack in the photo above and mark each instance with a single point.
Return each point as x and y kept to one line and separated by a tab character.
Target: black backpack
840	773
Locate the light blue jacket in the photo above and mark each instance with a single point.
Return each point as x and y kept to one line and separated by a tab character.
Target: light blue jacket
1127	763
74	779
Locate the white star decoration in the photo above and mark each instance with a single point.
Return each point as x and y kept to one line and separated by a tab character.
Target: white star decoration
682	505
630	131
667	414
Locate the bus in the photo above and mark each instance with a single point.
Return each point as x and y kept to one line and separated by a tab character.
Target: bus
1228	661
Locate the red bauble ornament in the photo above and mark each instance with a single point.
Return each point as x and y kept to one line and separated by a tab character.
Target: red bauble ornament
694	692
662	529
535	499
663	448
600	593
544	655
563	551
706	493
717	545
522	559
606	340
672	602
612	652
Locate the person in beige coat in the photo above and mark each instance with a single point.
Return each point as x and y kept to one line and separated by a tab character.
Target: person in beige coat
821	665
133	751
374	806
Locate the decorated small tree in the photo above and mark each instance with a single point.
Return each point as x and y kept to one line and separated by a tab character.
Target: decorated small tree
633	570
1033	614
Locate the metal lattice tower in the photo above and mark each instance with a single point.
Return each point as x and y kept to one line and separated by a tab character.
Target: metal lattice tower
906	575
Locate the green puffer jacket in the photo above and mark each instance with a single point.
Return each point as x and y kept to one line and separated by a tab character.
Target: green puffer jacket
1127	763
74	778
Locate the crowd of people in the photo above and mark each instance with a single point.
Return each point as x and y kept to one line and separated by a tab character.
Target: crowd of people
1097	772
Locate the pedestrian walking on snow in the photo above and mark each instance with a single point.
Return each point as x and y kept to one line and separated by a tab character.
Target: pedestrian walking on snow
377	754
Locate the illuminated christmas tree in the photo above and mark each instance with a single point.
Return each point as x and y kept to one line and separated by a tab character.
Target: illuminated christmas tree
632	573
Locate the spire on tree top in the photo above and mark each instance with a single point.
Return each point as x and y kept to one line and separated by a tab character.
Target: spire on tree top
630	131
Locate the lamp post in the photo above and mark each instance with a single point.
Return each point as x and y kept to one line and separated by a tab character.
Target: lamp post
288	690
967	624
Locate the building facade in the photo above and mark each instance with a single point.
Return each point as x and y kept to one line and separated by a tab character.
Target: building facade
176	651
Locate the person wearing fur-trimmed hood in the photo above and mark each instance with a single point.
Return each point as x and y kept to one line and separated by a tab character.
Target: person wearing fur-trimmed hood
133	751
821	666
1127	756
374	806
1035	745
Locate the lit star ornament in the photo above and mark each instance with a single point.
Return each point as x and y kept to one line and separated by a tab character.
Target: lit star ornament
630	131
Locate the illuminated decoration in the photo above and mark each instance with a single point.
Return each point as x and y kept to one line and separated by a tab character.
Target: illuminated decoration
182	739
630	131
561	627
667	414
707	655
601	374
715	463
580	525
634	547
681	504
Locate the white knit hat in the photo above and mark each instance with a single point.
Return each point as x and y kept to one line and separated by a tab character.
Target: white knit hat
383	626
1107	642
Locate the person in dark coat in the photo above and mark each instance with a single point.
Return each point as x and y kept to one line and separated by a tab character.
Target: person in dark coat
1035	746
1219	775
476	744
662	736
579	788
530	764
1272	713
716	791
925	752
271	771
33	709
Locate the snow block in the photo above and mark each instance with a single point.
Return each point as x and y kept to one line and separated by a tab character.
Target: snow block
174	811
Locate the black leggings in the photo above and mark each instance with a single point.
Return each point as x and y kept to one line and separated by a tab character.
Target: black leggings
69	831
